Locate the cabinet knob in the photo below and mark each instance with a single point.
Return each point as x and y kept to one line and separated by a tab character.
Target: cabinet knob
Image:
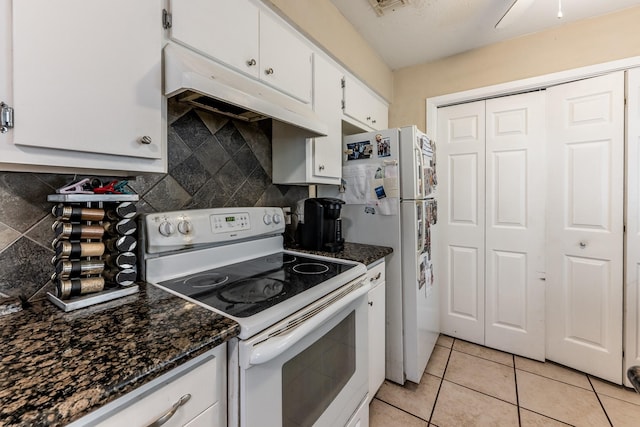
146	140
373	121
268	71
321	167
583	245
371	303
251	62
368	118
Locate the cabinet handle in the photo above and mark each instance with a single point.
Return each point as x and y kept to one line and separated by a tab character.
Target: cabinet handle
166	417
268	71
146	140
321	167
373	279
251	62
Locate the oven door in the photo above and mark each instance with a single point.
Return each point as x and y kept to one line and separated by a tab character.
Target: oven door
310	369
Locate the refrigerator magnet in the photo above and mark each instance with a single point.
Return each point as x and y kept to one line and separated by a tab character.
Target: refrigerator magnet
383	145
359	150
380	194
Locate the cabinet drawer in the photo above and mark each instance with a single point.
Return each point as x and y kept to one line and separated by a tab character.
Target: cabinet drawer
203	378
375	275
200	382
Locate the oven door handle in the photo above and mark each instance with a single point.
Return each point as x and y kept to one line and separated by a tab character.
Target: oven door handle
275	346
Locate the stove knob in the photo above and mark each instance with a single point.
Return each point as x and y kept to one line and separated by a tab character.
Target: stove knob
277	219
166	229
267	219
185	227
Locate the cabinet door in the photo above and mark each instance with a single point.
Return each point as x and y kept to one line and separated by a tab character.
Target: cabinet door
376	338
285	60
87	76
360	104
327	150
225	30
585	225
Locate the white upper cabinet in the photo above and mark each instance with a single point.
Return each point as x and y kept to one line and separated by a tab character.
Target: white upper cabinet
300	160
249	39
361	105
225	30
86	77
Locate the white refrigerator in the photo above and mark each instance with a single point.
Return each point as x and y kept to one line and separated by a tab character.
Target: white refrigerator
388	188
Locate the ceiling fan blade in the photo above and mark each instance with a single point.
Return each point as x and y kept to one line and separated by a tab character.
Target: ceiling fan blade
516	9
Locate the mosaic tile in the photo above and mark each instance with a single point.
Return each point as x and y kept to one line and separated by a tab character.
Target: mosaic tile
214	122
23	200
24	267
259	142
177	150
209	196
191	175
191	130
42	233
167	195
143	183
7	236
212	156
229	178
230	139
246	160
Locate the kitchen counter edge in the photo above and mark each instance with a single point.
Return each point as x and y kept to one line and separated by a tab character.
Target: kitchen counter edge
366	254
56	367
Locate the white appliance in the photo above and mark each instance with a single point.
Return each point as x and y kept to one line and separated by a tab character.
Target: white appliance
389	178
301	357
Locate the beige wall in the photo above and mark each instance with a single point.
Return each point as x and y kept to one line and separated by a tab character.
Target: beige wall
322	22
587	42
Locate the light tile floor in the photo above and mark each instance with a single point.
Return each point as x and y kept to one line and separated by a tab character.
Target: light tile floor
465	384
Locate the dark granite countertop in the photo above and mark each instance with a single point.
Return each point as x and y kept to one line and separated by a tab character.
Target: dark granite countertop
366	254
56	367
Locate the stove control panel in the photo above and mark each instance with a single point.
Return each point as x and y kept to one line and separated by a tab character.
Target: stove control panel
168	231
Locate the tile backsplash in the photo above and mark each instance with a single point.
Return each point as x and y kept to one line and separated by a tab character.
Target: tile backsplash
213	161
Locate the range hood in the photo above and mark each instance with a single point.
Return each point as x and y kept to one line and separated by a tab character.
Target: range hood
205	83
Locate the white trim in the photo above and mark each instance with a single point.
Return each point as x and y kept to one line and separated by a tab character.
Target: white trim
524	85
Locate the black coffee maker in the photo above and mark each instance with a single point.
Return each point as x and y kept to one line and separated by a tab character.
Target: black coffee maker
322	227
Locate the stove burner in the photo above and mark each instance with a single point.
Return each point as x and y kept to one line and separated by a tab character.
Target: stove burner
207	280
250	291
311	268
284	259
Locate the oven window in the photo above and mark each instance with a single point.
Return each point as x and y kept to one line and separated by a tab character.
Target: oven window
313	378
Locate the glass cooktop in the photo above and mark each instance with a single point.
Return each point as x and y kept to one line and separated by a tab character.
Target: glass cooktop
249	287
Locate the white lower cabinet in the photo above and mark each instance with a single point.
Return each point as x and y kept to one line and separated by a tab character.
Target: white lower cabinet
376	276
361	416
193	394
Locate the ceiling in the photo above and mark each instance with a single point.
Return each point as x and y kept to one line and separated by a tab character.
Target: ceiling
426	30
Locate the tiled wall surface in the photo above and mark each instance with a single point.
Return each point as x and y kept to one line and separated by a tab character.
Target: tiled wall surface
213	162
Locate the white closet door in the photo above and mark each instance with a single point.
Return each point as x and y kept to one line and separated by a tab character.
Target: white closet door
585	225
632	300
461	166
515	226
